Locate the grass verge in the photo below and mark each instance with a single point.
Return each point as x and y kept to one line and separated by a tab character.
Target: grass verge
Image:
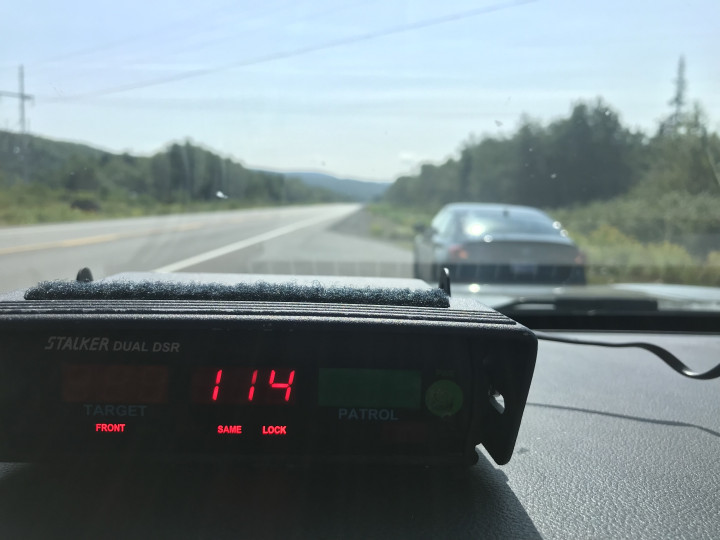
41	205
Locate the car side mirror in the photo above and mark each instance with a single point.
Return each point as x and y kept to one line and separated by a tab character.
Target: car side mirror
420	228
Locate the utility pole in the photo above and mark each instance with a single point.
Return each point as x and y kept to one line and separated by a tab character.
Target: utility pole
22	97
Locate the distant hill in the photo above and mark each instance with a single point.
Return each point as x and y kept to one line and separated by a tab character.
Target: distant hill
51	163
46	156
178	174
359	190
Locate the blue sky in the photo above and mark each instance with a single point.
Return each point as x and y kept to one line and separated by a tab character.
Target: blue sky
364	89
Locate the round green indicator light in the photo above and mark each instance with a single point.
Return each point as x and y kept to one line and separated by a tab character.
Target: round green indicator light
444	398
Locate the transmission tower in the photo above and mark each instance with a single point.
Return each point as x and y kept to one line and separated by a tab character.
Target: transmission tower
22	97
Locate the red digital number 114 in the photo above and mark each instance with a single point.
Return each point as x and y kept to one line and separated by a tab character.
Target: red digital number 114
273	383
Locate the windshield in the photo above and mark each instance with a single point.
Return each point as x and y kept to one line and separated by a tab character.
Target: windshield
555	160
325	138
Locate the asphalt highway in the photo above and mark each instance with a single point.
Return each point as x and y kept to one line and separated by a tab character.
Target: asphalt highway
299	240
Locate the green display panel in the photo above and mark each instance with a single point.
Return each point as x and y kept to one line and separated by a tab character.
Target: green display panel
376	388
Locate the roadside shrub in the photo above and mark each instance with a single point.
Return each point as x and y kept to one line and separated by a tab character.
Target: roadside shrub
615	257
670	217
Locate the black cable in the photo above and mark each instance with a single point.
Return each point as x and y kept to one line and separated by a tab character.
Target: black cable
666	356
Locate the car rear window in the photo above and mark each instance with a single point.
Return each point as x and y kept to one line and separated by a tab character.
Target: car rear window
478	225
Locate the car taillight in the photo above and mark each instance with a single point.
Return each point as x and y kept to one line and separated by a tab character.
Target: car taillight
457	251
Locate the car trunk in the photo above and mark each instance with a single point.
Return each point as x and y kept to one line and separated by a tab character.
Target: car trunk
517	259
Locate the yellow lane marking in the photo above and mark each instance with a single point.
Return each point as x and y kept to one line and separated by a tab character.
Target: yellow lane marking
188	227
87	240
98	239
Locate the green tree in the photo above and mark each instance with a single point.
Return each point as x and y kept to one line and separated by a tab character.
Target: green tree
81	176
588	156
683	159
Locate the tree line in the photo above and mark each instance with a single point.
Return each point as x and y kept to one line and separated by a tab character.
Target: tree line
181	173
586	157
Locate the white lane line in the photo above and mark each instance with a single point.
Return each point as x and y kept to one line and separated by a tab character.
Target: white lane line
242	244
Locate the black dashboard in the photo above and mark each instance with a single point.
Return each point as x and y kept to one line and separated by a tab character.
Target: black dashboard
612	444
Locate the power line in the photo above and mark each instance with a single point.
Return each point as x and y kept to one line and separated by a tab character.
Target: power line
165	35
300	51
155	33
195	47
328	11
